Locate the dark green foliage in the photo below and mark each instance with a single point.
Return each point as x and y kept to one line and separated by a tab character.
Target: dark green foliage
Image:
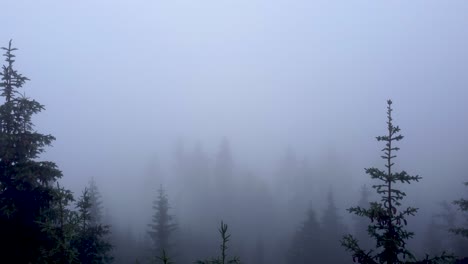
26	184
36	223
59	224
388	222
90	241
163	225
462	206
223	259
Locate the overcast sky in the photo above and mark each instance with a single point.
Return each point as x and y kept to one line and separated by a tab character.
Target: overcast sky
123	81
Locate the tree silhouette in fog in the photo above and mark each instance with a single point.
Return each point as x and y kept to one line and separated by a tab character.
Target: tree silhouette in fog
332	230
26	184
306	246
361	224
96	203
462	205
162	226
388	220
91	239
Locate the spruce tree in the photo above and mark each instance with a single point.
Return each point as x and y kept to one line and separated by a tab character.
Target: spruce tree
96	203
162	226
388	220
462	205
223	258
462	231
306	246
332	230
448	220
224	166
91	239
26	184
361	224
59	222
432	242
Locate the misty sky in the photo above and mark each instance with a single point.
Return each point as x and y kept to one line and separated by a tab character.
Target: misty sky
123	81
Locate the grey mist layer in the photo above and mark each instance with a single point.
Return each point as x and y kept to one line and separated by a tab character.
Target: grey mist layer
266	107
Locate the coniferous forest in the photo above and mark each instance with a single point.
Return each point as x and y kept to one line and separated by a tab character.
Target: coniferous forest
247	132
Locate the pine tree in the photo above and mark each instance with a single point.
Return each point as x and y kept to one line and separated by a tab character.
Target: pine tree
432	242
453	243
362	223
60	225
162	226
462	206
91	241
26	184
388	222
125	245
223	258
447	225
224	165
332	230
306	246
96	203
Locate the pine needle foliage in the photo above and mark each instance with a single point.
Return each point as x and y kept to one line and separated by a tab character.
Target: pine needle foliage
388	219
36	222
59	223
26	184
90	241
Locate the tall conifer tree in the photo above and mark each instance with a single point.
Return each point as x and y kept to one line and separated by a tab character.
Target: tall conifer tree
224	165
306	246
59	223
162	226
462	231
388	220
26	184
448	220
462	205
361	224
91	241
332	230
96	203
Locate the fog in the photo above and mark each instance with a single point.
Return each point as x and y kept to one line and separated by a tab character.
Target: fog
249	112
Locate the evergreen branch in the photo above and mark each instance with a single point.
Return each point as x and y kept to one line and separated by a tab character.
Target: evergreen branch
164	258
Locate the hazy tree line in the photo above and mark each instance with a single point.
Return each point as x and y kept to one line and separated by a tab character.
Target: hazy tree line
292	218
